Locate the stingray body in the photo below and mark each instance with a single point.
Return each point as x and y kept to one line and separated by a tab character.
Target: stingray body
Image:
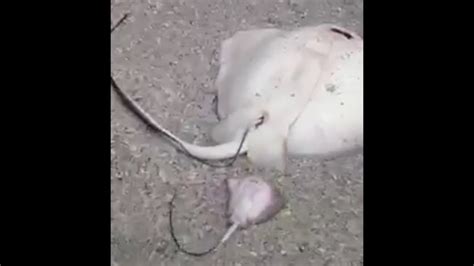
291	93
308	84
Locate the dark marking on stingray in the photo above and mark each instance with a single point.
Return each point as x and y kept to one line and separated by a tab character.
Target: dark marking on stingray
345	34
330	88
215	103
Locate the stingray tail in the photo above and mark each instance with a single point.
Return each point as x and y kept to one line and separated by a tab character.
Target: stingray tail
229	232
219	152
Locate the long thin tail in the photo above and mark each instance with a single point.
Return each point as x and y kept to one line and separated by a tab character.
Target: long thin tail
229	232
219	152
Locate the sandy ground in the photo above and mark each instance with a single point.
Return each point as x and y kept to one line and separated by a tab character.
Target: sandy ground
166	57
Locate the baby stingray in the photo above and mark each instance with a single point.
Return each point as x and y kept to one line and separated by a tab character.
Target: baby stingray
251	201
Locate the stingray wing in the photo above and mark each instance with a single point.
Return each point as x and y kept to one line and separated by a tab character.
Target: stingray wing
279	74
236	54
332	122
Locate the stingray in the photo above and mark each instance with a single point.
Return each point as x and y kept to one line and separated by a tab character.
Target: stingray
283	93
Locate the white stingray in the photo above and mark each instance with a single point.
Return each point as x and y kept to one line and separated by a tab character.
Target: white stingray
307	84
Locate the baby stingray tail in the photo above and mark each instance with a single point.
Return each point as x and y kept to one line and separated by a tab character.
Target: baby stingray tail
228	150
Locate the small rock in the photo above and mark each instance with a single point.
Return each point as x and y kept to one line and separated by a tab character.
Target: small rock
161	246
207	228
168	197
354	226
303	247
286	213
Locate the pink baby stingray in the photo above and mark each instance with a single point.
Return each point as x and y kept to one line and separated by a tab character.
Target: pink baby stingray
251	201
